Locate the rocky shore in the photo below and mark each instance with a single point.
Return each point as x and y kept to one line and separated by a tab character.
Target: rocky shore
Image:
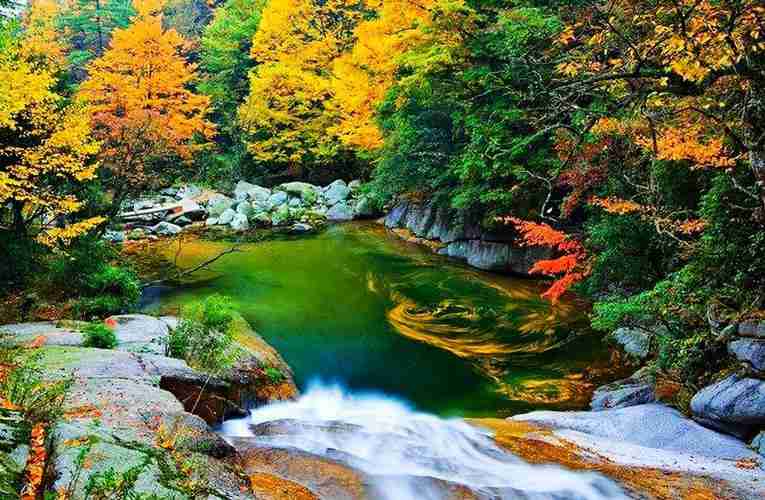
298	207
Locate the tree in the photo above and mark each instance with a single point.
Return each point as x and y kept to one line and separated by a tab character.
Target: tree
143	108
88	25
46	153
287	113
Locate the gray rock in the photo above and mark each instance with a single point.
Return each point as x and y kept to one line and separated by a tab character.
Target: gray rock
166	229
227	216
169	191
240	223
281	216
487	256
445	229
259	195
217	206
307	191
354	185
634	341
295	203
754	329
419	219
340	212
182	221
635	390
188	191
650	425
211	221
751	351
114	236
140	333
758	443
301	227
734	405
397	215
278	198
245	208
336	192
241	189
364	207
144	205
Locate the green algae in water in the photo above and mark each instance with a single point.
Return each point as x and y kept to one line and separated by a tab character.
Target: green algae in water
356	306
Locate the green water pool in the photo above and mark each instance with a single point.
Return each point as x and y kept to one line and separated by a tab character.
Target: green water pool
357	306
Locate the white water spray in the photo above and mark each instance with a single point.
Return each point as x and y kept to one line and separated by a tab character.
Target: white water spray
400	449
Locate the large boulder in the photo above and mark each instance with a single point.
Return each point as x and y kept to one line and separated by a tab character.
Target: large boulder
166	229
336	192
218	205
754	329
245	208
635	342
638	389
307	191
341	211
397	215
278	198
734	405
364	207
750	351
240	222
227	216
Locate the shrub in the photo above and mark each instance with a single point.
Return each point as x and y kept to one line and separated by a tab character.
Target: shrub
99	335
204	336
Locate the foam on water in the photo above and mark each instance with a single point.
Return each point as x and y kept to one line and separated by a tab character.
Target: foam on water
398	447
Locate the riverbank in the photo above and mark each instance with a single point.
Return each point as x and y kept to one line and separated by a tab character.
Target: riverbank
131	409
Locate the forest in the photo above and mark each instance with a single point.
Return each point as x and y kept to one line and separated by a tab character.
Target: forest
626	136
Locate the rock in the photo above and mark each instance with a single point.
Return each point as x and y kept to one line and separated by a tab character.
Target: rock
494	256
364	207
336	192
324	477
114	236
166	229
182	221
211	221
754	329
282	216
419	219
245	208
308	192
188	191
635	390
652	436
217	206
136	234
734	405
340	212
144	205
227	216
169	191
240	223
750	351
189	209
758	443
191	433
301	228
295	203
140	333
241	189
24	333
635	342
278	198
259	195
354	185
397	215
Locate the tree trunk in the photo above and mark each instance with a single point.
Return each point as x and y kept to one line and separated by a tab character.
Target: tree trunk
757	162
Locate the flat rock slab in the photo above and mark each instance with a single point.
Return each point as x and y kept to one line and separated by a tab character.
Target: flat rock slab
656	436
54	335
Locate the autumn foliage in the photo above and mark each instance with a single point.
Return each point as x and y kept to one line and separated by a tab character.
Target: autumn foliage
143	108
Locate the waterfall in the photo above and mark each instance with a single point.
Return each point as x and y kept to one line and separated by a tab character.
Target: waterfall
400	449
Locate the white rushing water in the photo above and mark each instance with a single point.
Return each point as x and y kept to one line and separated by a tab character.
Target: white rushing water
399	448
